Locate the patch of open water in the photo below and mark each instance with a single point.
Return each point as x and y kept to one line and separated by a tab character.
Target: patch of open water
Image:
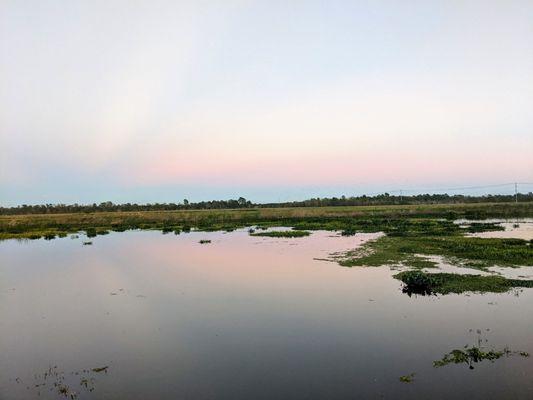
516	228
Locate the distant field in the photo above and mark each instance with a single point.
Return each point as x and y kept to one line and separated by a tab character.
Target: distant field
49	225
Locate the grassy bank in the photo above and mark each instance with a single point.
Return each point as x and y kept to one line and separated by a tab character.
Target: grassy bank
349	219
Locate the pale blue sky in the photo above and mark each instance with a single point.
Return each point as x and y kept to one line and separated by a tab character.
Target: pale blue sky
160	100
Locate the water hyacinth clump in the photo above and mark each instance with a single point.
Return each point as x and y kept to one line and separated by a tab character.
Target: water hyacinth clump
421	283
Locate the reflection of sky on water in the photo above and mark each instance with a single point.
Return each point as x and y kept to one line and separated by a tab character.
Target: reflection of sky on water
242	317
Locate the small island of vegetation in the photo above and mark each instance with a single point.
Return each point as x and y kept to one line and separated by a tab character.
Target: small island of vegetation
282	234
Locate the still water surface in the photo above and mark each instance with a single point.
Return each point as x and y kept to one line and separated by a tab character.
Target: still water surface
240	318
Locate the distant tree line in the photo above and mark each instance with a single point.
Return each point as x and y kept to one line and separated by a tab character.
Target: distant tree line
387	199
108	206
241	202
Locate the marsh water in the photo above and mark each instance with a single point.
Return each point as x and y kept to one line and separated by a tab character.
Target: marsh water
165	317
520	228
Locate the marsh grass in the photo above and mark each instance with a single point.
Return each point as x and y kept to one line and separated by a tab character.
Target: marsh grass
472	252
394	220
476	227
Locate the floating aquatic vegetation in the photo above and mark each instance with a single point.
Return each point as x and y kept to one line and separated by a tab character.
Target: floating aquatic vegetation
68	385
472	355
90	232
421	283
167	229
469	356
476	227
407	378
282	234
472	252
417	282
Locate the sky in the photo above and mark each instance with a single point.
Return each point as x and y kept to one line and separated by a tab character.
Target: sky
157	101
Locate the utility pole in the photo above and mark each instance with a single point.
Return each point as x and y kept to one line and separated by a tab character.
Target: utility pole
401	196
516	192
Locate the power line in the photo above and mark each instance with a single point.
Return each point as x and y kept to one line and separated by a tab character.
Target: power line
428	189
